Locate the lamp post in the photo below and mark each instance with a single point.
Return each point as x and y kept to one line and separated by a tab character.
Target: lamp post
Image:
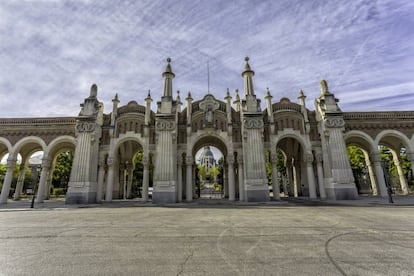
35	177
387	179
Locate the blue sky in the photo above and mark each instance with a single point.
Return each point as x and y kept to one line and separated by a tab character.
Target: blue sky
51	51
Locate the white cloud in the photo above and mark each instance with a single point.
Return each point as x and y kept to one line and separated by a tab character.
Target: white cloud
52	51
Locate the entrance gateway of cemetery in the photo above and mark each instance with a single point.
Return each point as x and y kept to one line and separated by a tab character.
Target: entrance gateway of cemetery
313	145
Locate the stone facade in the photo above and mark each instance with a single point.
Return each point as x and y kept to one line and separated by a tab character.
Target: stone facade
313	144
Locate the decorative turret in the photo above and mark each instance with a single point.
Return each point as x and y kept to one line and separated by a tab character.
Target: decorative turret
189	100
249	103
237	100
304	111
168	75
178	100
248	78
148	100
91	105
228	106
115	102
269	109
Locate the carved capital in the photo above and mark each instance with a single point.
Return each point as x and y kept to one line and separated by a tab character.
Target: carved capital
110	161
145	160
273	158
240	159
253	123
164	125
319	157
230	159
309	157
189	160
334	122
11	163
85	126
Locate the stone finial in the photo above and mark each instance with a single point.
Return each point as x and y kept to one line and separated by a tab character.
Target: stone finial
268	96
324	87
227	93
247	65
301	94
237	95
115	99
189	98
94	90
178	96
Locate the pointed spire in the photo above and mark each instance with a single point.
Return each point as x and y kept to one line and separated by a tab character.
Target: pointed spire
148	98
237	95
301	95
178	99
248	78
168	75
115	99
268	96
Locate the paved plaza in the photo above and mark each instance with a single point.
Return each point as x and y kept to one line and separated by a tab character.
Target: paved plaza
364	237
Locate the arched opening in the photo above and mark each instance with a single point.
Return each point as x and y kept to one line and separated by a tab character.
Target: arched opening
129	164
209	173
362	170
397	169
292	172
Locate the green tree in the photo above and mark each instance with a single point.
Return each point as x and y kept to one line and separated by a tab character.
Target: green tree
61	173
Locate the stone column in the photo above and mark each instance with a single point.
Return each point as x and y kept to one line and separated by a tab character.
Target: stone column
20	182
5	190
145	178
288	185
49	183
225	182
230	165
189	177
371	174
379	173
241	177
295	178
275	180
311	176
42	181
101	177
319	168
130	171
179	179
403	181
110	179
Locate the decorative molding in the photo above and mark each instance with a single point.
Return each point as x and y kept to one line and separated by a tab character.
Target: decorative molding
85	127
334	122
253	123
164	125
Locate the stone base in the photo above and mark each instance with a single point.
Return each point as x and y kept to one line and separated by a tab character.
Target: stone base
163	197
257	195
81	193
80	198
342	192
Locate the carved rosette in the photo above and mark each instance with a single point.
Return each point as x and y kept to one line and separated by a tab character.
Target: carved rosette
334	122
85	126
253	123
164	125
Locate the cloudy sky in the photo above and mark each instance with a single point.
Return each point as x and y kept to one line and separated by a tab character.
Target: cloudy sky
51	51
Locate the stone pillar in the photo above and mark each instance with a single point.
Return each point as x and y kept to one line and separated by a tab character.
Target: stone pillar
403	181
379	173
20	182
49	183
225	182
295	178
319	168
232	188
5	190
241	177
110	179
371	173
311	176
101	177
42	181
275	180
189	178
145	178
130	171
288	185
179	179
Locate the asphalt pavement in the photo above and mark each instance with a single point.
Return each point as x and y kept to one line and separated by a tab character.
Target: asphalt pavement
368	236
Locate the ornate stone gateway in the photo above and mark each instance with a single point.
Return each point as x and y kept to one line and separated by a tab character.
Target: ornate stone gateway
312	145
